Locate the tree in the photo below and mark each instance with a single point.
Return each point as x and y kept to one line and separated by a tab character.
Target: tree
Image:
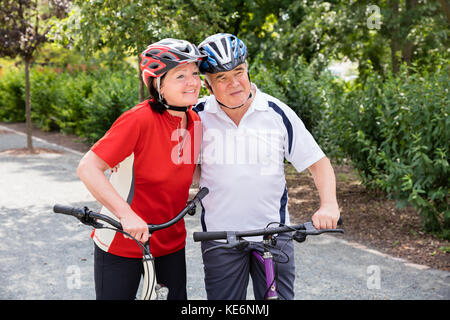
126	27
379	35
23	29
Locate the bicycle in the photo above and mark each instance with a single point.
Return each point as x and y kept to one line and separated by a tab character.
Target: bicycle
234	240
150	290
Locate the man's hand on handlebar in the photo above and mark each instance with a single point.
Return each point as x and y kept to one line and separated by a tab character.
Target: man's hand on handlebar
326	217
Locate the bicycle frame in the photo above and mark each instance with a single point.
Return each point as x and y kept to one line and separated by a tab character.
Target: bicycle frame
235	240
266	259
150	290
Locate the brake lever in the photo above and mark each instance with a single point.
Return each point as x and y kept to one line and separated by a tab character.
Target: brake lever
310	230
87	220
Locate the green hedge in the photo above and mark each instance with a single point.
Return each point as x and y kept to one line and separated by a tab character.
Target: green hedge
85	104
395	131
298	88
12	97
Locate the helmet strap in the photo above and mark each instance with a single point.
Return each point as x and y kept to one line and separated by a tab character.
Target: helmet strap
232	108
175	108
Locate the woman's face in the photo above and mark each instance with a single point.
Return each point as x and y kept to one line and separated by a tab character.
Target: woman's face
181	85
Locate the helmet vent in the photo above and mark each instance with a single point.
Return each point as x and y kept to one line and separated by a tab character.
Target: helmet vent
216	49
167	56
152	52
154	65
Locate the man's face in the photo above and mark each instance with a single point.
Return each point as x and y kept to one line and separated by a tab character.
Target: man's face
231	88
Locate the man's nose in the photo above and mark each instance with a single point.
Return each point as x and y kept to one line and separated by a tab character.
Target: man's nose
234	81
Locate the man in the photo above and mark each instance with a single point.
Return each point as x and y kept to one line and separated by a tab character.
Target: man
247	134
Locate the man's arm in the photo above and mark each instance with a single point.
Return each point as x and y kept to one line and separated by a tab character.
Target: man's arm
328	214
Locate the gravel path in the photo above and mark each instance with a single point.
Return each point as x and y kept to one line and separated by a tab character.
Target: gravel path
48	256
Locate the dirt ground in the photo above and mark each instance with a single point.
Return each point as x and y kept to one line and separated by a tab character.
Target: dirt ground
369	219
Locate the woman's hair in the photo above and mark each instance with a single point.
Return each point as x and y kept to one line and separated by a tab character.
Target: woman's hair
153	98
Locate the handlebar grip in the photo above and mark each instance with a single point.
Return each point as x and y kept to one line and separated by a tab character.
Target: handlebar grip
72	211
202	193
211	235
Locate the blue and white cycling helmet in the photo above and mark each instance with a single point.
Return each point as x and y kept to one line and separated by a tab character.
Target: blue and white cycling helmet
224	52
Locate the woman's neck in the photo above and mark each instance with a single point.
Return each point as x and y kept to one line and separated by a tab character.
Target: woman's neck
174	113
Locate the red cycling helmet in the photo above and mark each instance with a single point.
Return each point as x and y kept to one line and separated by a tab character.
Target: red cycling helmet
167	54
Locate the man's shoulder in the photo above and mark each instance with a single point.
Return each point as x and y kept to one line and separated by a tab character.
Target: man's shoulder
201	103
274	102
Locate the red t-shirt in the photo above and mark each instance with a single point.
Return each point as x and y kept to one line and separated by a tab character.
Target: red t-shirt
154	176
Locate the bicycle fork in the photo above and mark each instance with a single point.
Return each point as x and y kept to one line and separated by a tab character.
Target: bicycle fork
151	290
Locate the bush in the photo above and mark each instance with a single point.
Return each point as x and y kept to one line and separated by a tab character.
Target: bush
395	131
75	90
85	104
311	96
12	97
112	94
46	98
297	87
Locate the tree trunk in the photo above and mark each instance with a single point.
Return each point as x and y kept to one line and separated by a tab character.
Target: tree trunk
446	8
394	39
28	106
142	86
407	52
408	46
394	58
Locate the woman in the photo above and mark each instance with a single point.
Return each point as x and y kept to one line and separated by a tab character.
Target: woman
154	149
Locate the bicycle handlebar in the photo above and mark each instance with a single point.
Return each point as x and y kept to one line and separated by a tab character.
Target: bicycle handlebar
305	229
89	217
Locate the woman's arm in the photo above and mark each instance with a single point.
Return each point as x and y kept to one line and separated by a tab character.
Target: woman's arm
91	172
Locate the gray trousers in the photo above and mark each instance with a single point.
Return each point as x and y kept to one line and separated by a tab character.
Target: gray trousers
227	271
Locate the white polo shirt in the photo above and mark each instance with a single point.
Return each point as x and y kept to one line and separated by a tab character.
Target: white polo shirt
243	166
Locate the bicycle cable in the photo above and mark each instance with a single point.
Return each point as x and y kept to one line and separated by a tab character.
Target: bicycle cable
281	252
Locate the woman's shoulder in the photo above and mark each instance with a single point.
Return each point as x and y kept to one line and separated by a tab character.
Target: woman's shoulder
141	112
141	109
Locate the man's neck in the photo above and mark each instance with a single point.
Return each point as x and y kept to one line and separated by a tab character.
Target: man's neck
236	115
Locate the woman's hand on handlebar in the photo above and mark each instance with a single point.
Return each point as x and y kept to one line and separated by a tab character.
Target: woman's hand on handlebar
135	226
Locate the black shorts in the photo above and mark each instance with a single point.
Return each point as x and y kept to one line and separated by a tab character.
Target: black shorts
117	278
